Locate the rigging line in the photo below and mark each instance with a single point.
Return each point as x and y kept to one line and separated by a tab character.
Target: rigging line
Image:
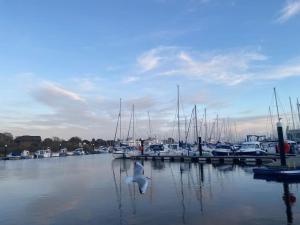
283	109
131	196
187	133
117	193
174	181
182	199
117	128
129	126
193	183
174	124
211	130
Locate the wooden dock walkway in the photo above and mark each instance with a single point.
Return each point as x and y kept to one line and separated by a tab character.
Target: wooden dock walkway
212	159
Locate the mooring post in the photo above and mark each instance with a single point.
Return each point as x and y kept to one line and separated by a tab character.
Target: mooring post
281	144
5	151
142	146
199	146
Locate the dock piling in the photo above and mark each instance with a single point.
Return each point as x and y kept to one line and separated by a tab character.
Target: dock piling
281	144
200	146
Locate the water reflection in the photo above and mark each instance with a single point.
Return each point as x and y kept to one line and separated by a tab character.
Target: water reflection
288	197
93	190
158	164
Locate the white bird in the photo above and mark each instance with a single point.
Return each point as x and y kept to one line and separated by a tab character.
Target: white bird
139	177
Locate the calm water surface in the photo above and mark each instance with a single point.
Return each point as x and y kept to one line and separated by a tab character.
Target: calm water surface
92	190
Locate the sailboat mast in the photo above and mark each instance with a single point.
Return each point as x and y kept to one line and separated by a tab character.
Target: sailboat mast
272	125
275	94
185	126
298	108
120	115
178	116
292	112
196	123
217	127
235	130
133	136
205	125
149	123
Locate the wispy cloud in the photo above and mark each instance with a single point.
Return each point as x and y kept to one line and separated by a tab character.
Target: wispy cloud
55	91
228	68
291	9
130	79
278	72
208	99
152	59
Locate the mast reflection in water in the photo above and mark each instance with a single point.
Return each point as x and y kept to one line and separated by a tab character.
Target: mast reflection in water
93	190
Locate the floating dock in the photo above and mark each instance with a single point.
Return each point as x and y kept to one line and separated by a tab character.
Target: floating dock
212	159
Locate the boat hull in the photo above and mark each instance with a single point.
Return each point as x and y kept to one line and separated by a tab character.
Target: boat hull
119	155
221	153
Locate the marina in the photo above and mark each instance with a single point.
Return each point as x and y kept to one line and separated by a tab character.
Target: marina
156	112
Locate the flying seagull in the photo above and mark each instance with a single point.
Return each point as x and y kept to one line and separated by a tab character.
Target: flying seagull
139	177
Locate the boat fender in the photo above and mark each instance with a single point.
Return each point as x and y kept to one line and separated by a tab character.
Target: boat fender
286	148
291	198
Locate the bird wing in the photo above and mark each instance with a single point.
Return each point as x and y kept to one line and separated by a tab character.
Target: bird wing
138	169
129	180
142	182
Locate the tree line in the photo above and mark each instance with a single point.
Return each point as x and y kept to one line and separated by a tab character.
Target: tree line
34	143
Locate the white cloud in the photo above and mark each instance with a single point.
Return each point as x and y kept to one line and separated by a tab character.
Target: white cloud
284	71
291	8
228	68
55	91
130	79
152	58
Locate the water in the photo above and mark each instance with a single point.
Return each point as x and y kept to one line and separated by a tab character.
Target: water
92	190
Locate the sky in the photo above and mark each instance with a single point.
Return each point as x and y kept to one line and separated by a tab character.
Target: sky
64	64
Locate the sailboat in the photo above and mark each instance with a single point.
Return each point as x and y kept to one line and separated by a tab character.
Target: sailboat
124	150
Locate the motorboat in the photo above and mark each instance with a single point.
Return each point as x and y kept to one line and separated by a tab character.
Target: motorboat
222	150
69	153
157	149
101	150
63	152
55	154
251	148
25	154
43	153
13	156
123	152
79	151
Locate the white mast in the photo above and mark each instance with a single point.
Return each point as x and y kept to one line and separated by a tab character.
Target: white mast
120	119
275	94
217	128
178	117
292	112
272	125
205	125
149	124
298	108
133	134
196	124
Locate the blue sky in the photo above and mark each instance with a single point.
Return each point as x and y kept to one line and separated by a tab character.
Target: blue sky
65	64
